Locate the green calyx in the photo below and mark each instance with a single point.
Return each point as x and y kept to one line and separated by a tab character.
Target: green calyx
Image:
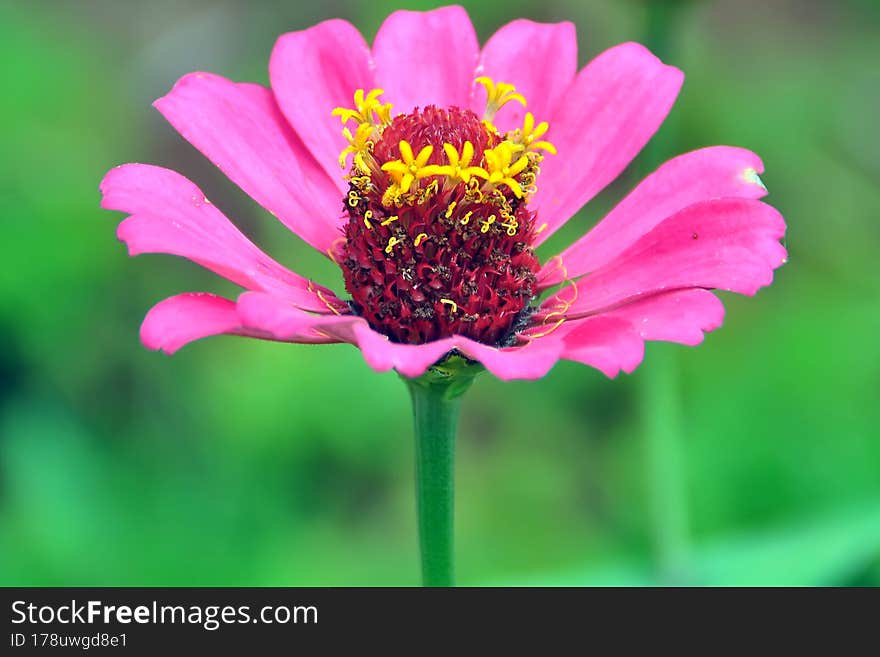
450	377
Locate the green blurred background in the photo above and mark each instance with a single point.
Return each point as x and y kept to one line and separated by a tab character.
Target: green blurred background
752	459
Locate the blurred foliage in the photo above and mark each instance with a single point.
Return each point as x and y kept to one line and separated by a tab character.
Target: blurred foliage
238	462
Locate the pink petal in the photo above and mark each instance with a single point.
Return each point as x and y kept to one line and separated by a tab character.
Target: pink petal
381	354
607	343
314	71
187	317
240	129
528	361
264	312
609	113
728	244
614	341
682	316
271	315
169	214
719	171
540	59
178	320
425	58
268	314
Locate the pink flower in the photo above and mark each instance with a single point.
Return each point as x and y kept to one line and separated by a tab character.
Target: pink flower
448	185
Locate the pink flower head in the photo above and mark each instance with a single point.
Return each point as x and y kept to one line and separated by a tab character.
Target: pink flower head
449	181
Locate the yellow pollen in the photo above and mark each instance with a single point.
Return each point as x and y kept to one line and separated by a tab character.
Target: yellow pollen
487	223
410	167
459	167
502	170
367	216
498	94
453	307
421	237
450	209
542	228
511	228
389	220
359	144
526	136
392	242
371	116
430	190
363	183
466	218
474	192
391	196
367	110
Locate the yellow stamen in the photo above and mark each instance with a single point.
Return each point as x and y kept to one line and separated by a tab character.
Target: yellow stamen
541	228
466	218
332	249
409	167
498	94
367	110
420	238
511	227
487	223
330	307
391	196
389	220
501	168
565	303
474	192
453	307
555	326
459	167
392	242
359	144
526	136
327	303
559	263
430	190
367	216
449	209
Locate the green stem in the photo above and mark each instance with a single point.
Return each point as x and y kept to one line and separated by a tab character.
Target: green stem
436	399
661	412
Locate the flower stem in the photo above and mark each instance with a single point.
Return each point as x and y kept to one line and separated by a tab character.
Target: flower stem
661	412
436	399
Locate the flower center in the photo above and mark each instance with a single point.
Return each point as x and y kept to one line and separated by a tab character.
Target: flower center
438	240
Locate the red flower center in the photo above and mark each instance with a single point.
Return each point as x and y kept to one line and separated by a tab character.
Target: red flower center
438	241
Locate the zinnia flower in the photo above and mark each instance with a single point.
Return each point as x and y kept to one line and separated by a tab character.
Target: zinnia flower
449	182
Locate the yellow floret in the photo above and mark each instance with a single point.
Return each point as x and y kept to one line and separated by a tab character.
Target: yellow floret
410	167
